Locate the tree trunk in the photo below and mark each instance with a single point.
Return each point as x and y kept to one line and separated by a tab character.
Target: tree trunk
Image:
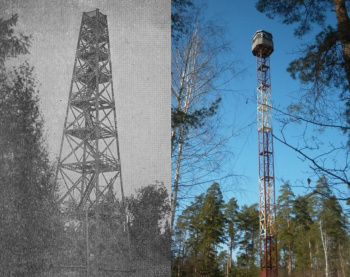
325	247
176	183
341	258
311	262
228	266
195	263
253	250
181	254
188	89
231	248
178	166
289	259
343	23
289	248
317	266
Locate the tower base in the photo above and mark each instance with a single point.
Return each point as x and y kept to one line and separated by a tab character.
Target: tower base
268	272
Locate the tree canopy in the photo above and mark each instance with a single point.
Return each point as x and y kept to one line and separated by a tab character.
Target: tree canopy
28	201
12	44
313	235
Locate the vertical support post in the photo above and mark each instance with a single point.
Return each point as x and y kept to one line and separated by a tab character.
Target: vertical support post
96	104
87	242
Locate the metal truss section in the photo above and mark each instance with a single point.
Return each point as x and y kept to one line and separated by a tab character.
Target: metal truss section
267	207
89	167
89	156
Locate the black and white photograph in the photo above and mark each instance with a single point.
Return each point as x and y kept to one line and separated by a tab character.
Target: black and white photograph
85	138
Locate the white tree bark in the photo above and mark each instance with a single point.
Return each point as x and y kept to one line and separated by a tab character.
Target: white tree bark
325	247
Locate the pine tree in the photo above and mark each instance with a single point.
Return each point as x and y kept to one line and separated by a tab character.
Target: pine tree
248	226
285	226
179	17
149	211
201	229
304	235
213	228
325	63
231	211
191	224
29	214
332	227
11	44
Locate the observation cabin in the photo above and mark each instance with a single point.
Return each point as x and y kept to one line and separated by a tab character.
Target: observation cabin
262	41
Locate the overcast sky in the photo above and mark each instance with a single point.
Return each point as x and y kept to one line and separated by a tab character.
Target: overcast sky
139	33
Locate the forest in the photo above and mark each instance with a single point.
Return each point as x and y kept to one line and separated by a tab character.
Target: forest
214	238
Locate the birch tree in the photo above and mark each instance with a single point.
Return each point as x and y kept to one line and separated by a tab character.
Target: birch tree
324	240
199	69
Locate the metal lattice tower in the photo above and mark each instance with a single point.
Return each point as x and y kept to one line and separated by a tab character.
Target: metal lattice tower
262	48
89	167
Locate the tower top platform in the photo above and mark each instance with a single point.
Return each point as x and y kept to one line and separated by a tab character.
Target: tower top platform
94	13
262	43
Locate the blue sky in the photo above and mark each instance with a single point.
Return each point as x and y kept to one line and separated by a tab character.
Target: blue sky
242	20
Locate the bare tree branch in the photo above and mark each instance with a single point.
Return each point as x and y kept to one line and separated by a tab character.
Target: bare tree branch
344	179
